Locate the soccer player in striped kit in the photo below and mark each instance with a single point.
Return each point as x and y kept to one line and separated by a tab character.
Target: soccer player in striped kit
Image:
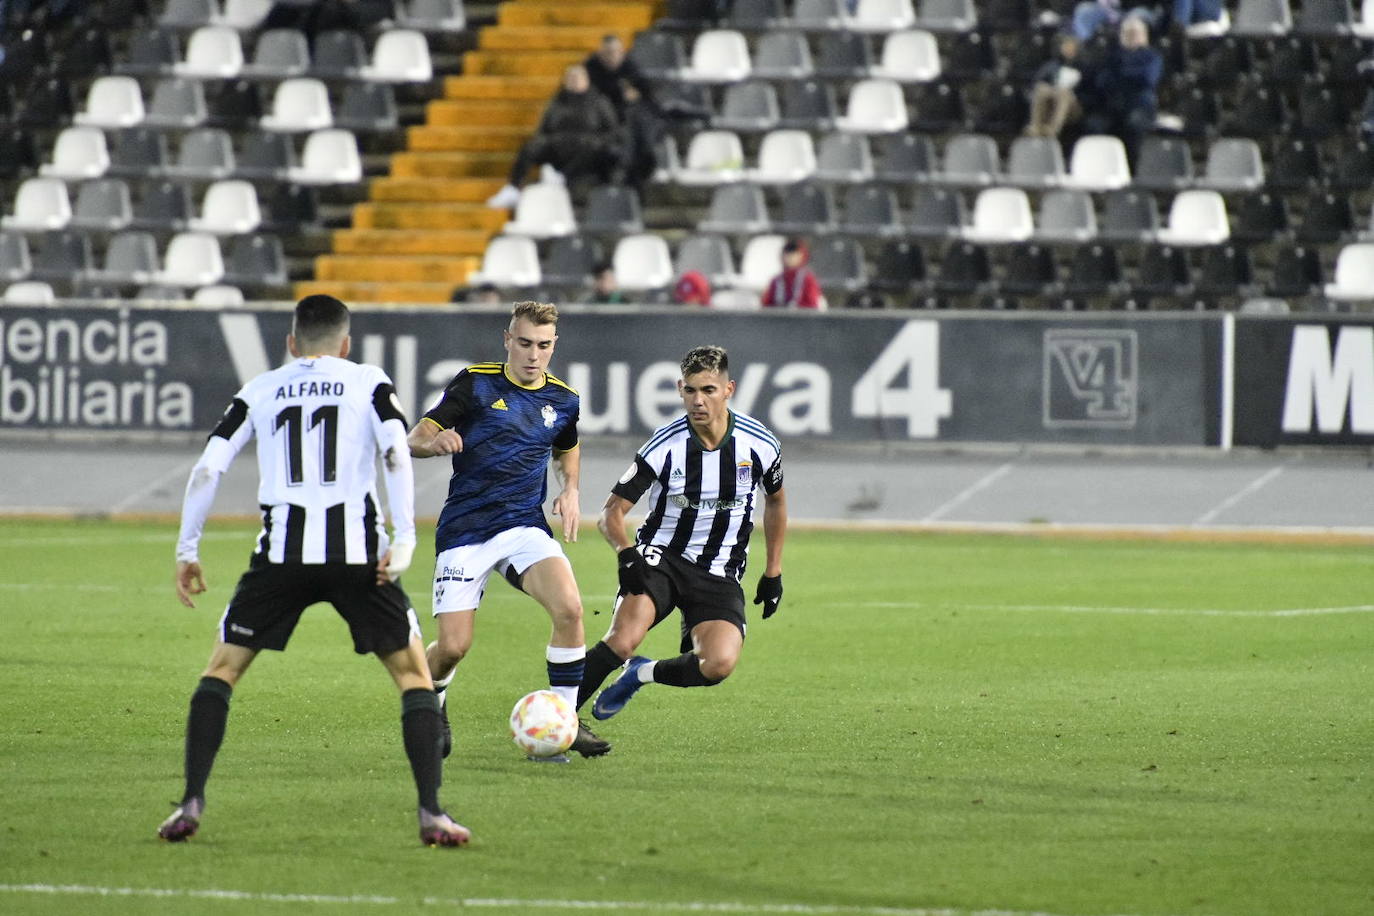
700	472
320	422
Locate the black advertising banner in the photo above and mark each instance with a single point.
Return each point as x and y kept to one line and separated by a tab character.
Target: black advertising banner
1304	382
894	377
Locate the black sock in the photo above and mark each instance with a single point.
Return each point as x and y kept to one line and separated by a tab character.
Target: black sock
683	671
601	660
420	733
205	732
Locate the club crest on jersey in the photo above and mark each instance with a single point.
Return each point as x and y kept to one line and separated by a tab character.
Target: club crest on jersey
550	415
500	404
744	472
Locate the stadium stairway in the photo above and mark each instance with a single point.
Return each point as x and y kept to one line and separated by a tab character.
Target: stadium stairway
422	230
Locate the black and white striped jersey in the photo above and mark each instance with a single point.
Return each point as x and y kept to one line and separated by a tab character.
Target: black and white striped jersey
701	502
320	423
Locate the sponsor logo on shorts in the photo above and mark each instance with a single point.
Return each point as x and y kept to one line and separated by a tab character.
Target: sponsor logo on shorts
452	574
242	631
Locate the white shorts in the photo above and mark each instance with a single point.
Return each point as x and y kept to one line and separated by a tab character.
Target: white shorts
460	573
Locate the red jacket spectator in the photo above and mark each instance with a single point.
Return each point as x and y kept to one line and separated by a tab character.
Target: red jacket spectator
796	286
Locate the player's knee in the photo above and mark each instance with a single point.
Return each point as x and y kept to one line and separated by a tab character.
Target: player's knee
453	647
715	670
566	614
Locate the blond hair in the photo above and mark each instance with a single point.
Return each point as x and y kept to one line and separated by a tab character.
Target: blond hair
535	313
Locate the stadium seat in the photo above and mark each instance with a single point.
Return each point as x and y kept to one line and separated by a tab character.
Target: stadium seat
760	261
113	102
710	255
1128	216
1030	272
130	258
939	108
612	209
968	160
1034	162
432	15
255	261
898	267
964	270
149	53
1352	279
15	260
265	155
299	104
844	158
1162	271
871	210
1327	217
881	16
1196	217
1163	164
104	205
736	208
785	157
1098	163
188	14
658	55
29	292
191	259
936	213
642	262
367	108
79	153
41	204
843	55
244	15
62	257
165	207
177	103
205	153
329	156
713	157
751	105
399	56
1258	217
218	295
233	104
807	105
910	56
948	15
1222	271
807	208
1262	18
509	260
1363	28
903	158
1233	164
1066	215
876	106
230	207
212	52
1000	215
756	15
338	54
718	56
1093	270
545	210
571	260
818	15
782	55
279	54
1297	272
838	264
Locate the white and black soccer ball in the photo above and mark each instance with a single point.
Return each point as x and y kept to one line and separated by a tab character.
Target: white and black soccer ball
543	724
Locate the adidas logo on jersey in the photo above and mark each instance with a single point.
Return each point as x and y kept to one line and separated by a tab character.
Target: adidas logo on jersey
677	472
500	404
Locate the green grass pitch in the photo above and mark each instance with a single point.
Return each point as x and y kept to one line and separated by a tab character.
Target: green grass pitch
933	724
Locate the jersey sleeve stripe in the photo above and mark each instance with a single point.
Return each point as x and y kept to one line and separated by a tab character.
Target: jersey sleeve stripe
233	418
663	434
754	427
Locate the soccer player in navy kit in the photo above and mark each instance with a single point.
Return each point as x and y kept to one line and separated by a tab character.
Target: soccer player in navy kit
700	473
502	422
321	422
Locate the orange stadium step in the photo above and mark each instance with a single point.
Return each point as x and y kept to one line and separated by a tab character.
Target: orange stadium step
479	139
608	16
450	165
484	112
426	293
433	190
504	63
428	216
537	87
394	269
546	38
447	242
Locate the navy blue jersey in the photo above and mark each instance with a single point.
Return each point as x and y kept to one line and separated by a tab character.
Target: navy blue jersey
500	478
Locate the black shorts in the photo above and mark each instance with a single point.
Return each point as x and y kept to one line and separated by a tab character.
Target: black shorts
675	582
270	597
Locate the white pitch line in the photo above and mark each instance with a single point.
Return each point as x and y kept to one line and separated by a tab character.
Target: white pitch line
1142	611
178	471
800	909
967	493
1253	486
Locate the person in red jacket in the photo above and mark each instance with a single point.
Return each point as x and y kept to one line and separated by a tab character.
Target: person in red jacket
796	286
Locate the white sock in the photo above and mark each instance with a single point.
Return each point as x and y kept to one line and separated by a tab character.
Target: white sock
441	684
560	655
645	673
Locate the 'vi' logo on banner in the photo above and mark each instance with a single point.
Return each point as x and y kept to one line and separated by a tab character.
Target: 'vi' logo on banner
1090	378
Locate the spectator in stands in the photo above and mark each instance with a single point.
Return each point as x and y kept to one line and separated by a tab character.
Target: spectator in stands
604	290
579	135
481	294
644	128
1053	102
692	288
1118	92
612	73
1092	16
1189	12
796	286
315	16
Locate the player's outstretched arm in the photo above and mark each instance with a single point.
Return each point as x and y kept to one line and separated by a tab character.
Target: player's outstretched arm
769	592
567	504
428	439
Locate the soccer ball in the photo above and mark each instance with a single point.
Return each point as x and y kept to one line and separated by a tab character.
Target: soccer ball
542	724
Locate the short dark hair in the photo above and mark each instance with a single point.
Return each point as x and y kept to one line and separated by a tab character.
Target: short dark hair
320	318
709	358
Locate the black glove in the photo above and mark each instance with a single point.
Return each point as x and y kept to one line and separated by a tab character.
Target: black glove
632	569
769	594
